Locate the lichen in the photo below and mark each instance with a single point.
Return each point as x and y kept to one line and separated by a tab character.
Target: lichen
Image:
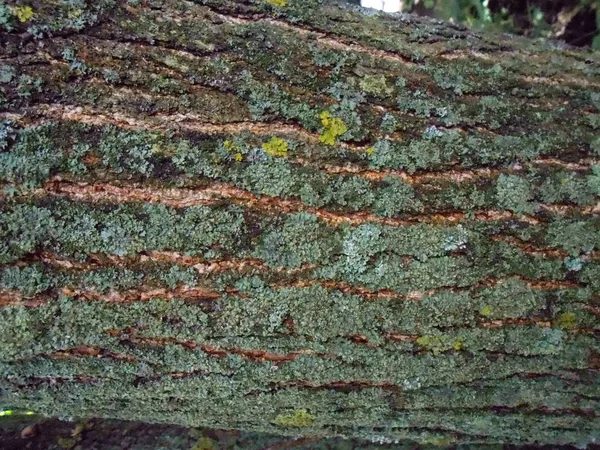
514	193
168	258
279	3
566	320
333	127
23	13
299	418
376	85
275	147
204	443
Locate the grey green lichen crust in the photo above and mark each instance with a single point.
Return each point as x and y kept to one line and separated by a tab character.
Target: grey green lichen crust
291	217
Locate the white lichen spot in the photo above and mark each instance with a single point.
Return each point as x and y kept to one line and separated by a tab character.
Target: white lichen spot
456	240
411	384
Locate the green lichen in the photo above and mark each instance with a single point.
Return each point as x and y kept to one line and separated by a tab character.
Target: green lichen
299	239
376	85
574	236
566	320
204	443
593	180
279	3
275	147
338	294
439	343
515	194
333	127
300	418
23	13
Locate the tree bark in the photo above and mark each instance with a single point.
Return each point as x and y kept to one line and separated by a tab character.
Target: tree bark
299	218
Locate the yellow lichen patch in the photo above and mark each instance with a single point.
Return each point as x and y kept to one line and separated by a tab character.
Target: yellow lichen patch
238	157
300	418
23	13
75	13
332	128
439	344
277	2
275	147
566	320
229	146
486	311
370	150
204	444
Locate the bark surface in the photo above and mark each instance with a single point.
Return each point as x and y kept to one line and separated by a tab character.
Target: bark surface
298	218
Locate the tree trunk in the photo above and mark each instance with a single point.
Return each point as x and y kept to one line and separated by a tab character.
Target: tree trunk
298	218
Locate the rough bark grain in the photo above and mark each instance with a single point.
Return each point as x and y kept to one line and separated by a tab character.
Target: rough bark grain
299	218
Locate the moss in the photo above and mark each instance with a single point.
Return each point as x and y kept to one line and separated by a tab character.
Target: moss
333	127
300	418
275	147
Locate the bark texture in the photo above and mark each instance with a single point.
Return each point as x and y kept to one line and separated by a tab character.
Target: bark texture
298	218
